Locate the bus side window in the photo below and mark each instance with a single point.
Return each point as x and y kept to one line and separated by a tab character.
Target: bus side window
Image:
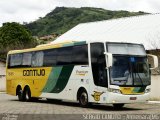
64	56
80	55
98	64
37	59
15	60
26	62
50	57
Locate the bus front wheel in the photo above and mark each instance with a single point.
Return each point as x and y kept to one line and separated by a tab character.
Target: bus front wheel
83	99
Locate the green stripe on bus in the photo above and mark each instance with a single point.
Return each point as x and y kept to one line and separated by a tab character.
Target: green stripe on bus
75	43
52	80
142	89
80	43
68	44
136	89
139	89
63	78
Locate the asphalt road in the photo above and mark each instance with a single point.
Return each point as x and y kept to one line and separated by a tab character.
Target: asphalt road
11	105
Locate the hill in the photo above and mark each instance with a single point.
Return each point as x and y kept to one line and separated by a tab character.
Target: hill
61	19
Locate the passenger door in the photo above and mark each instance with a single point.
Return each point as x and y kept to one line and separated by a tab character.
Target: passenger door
99	71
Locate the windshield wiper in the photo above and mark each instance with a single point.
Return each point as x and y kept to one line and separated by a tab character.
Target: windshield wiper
140	78
136	72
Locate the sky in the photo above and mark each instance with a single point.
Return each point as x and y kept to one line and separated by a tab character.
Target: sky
30	10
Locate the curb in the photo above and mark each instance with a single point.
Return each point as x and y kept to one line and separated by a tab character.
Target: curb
2	92
154	102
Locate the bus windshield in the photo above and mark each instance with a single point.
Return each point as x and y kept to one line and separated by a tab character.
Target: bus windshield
130	71
130	66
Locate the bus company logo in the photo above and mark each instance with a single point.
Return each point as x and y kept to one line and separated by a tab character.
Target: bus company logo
34	72
81	73
97	95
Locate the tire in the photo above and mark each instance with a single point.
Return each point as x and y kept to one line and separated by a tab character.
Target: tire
118	106
20	95
27	95
83	99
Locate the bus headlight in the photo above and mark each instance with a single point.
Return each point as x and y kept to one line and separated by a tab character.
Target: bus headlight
147	90
114	90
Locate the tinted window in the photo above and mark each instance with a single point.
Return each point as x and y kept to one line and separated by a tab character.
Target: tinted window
37	59
98	64
15	60
26	62
80	55
50	57
64	56
77	55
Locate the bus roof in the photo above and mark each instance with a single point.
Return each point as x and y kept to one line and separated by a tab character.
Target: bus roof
48	46
59	45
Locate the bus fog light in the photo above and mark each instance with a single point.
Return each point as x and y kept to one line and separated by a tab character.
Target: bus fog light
147	90
114	90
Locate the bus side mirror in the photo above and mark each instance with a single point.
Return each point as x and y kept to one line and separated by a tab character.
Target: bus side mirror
109	59
155	61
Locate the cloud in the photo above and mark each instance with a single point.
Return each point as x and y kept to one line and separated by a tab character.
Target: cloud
30	10
152	6
24	11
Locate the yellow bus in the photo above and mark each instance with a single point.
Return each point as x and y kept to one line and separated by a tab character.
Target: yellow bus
88	72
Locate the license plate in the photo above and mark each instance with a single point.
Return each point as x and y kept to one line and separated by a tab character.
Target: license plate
133	98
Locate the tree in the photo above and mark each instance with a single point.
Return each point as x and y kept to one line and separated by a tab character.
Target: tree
14	36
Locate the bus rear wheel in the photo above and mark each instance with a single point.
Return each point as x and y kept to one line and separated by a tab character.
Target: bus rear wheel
27	95
20	95
83	99
118	106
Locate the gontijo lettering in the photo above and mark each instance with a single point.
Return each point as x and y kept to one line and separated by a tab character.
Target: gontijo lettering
34	72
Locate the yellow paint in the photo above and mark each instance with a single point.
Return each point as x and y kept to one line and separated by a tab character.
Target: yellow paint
15	77
128	91
81	74
97	95
40	47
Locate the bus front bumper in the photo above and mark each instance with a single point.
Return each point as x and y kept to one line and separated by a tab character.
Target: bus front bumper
121	98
